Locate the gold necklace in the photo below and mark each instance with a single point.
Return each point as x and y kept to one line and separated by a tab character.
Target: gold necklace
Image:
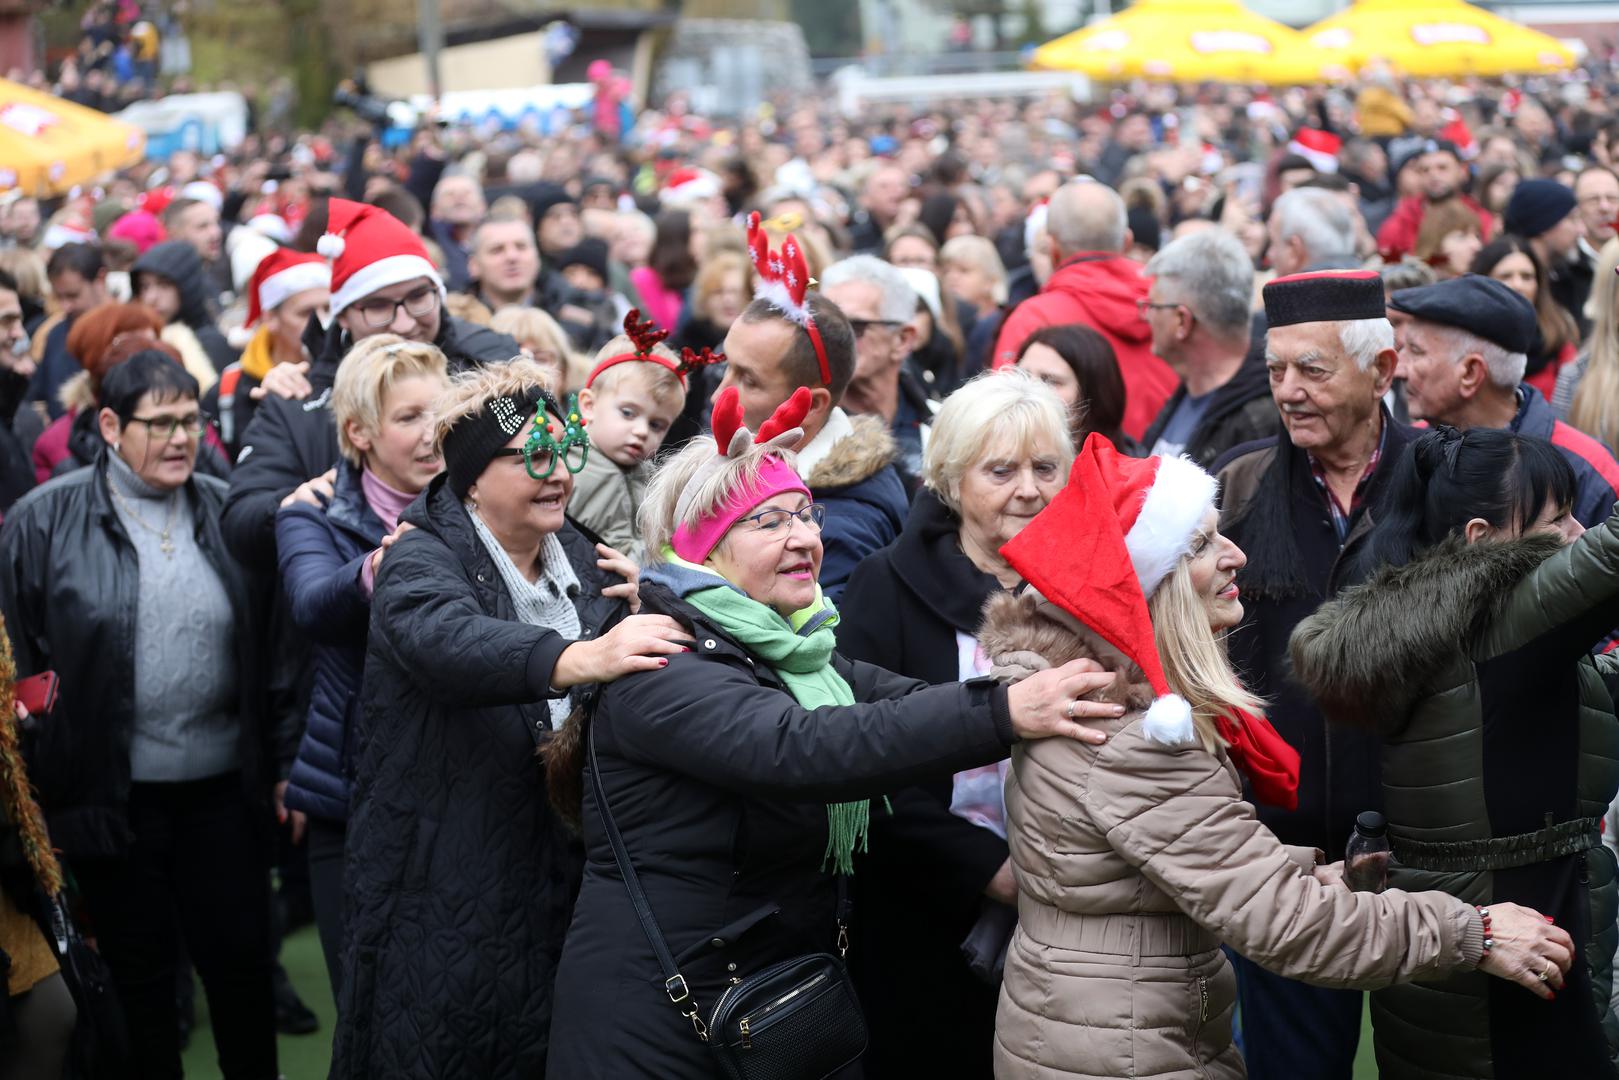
164	544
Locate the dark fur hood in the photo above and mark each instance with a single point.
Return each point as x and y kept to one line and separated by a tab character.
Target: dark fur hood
856	457
1370	655
1024	632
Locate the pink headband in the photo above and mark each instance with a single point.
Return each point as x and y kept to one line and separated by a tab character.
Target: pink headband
694	543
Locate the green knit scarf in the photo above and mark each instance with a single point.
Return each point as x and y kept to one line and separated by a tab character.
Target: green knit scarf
800	651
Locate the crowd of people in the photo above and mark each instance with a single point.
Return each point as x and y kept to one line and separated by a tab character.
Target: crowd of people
931	592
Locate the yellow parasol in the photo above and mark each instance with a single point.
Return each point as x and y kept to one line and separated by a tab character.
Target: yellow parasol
1189	41
47	145
1435	38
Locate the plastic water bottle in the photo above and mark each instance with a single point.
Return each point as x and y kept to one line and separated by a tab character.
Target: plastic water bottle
1366	858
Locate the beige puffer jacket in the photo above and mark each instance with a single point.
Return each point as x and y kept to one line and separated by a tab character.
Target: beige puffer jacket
1134	861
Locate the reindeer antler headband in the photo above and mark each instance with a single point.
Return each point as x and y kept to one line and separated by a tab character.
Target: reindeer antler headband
645	338
784	281
694	540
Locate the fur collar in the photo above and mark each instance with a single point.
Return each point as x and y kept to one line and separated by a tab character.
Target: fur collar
1368	656
858	456
75	393
1024	632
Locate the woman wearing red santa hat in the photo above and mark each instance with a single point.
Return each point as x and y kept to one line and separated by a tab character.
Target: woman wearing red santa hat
1138	857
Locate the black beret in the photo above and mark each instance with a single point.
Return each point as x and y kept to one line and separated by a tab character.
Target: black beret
1324	296
1536	206
1482	306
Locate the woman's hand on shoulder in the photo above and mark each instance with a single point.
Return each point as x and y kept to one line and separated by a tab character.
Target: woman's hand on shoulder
613	561
637	643
1529	949
1052	702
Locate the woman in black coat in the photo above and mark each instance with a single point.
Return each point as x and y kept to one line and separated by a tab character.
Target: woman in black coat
486	614
1000	450
719	769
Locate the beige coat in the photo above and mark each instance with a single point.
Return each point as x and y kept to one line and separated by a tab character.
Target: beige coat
1134	861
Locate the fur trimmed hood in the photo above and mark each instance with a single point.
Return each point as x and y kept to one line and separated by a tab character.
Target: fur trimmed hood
76	393
1024	632
856	457
1371	654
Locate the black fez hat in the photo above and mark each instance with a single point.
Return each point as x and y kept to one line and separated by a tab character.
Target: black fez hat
1324	296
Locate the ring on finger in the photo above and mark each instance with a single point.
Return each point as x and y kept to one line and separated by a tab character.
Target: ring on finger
1069	711
1546	974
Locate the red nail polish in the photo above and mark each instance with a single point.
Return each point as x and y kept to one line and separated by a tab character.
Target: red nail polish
1549	919
663	661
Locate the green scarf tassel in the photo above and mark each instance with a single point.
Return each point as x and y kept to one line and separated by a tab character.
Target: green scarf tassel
799	649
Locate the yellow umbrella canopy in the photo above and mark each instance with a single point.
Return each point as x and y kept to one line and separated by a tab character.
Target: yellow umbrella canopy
1188	41
1436	38
47	145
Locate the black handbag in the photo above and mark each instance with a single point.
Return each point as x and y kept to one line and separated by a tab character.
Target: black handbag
795	1020
101	1045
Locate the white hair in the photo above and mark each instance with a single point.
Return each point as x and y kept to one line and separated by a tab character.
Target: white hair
1213	276
1320	219
999	412
898	302
1364	339
1506	368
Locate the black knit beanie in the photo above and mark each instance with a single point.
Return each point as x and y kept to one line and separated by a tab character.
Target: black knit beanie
471	444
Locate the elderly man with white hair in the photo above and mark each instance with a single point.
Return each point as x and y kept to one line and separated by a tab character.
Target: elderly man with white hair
1311	229
880	305
1300	505
1463	356
1198	312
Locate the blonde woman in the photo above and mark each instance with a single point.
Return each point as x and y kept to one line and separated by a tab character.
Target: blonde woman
541	336
1138	857
328	554
1587	394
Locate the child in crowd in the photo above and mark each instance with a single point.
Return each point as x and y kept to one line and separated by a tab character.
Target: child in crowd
632	396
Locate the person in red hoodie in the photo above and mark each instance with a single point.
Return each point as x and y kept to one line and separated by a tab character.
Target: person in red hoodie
1097	286
1439	166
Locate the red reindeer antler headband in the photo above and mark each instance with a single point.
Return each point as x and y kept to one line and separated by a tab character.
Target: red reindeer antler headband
784	281
645	339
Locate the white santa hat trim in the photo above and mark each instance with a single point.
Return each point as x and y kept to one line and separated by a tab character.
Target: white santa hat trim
297	278
1180	495
381	274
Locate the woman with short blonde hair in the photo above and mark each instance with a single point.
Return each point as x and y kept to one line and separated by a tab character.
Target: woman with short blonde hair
547	343
971	269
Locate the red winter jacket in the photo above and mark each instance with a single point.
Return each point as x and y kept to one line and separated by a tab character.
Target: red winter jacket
1398	236
1099	290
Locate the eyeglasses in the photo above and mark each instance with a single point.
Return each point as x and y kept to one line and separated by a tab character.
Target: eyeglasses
164	427
774	521
1144	305
860	326
542	463
379	312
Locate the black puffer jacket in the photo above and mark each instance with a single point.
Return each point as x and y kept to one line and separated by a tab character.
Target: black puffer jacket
288	442
719	782
68	582
459	879
179	262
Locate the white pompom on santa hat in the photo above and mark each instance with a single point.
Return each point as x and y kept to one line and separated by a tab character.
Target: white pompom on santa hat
1104	545
370	249
282	274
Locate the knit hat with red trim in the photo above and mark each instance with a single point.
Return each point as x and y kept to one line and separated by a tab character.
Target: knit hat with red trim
281	274
1126	521
371	249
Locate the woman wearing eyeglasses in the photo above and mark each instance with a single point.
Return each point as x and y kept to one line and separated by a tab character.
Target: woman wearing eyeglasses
153	769
486	615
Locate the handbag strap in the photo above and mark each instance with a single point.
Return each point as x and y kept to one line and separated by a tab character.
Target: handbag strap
674	983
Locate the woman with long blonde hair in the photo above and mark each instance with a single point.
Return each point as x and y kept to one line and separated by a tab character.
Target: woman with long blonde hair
1137	857
1587	393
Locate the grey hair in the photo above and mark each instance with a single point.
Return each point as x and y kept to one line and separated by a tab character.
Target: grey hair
1506	368
1320	219
899	300
1087	216
1213	276
709	488
1364	339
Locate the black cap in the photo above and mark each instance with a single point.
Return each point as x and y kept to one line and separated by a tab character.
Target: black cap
1536	206
1409	152
1482	306
470	445
590	252
1370	823
1324	296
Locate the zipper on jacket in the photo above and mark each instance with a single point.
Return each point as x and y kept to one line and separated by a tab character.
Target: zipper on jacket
1202	1000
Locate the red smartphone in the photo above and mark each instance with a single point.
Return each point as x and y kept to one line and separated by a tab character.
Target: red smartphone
37	693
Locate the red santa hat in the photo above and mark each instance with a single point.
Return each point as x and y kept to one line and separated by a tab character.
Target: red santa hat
281	274
371	249
686	187
1319	148
1126	521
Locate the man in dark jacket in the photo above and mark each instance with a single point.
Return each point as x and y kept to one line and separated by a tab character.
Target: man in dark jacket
848	464
16	477
1198	309
169	279
1462	358
1299	507
78	280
